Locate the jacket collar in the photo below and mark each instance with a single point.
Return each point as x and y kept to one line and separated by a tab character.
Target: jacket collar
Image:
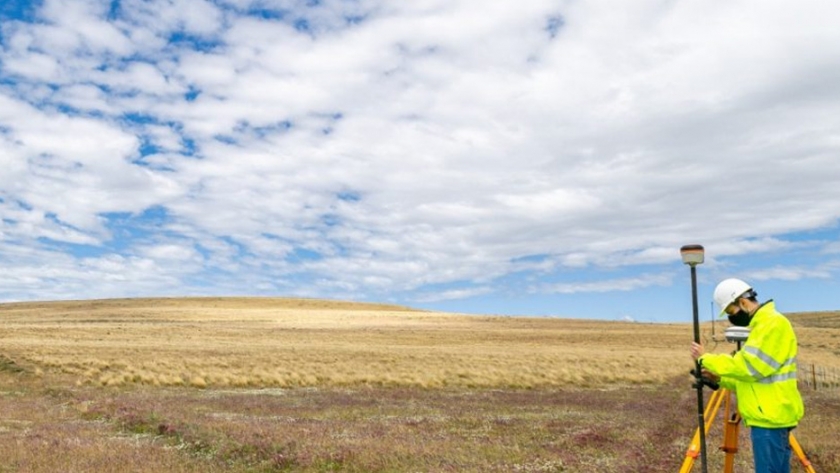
763	311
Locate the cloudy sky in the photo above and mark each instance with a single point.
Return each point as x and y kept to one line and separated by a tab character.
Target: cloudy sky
545	157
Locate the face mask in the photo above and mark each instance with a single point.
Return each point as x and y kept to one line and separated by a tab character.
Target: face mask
740	319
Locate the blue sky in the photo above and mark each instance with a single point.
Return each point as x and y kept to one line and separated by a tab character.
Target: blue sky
542	158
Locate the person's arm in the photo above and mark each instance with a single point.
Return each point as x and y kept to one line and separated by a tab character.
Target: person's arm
727	383
752	362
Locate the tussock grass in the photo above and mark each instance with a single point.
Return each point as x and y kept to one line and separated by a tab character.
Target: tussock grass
282	343
240	342
255	385
825	319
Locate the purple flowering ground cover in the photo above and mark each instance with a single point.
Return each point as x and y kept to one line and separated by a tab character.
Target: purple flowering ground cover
48	426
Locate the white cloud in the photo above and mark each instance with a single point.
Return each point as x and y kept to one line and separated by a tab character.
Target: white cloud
454	294
832	247
789	273
33	64
197	17
744	247
416	143
609	285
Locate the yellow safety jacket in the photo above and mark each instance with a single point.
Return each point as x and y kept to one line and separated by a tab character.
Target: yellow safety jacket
763	372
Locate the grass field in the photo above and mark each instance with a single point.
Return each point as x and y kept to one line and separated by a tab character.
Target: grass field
305	385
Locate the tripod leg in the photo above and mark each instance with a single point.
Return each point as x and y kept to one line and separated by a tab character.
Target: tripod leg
800	454
730	437
708	415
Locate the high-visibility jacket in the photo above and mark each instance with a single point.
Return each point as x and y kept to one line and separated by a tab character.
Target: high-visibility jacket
763	372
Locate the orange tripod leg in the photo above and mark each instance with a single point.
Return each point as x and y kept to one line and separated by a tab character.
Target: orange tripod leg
800	454
730	437
708	416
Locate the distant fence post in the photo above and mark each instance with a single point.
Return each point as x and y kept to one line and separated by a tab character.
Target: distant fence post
821	377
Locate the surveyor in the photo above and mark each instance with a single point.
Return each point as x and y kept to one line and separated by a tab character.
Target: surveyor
762	374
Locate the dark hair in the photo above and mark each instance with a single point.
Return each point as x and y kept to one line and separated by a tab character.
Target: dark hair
751	295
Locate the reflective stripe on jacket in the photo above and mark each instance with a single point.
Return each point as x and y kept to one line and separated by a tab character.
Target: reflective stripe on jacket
763	372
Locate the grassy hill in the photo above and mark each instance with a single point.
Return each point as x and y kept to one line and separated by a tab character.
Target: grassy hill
267	342
824	319
260	384
208	302
281	342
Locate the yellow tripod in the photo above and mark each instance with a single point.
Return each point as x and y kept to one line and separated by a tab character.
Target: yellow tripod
730	435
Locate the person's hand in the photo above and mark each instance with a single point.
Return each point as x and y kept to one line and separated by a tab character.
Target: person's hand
710	376
696	350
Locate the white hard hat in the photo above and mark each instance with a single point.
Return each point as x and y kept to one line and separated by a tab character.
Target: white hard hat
728	291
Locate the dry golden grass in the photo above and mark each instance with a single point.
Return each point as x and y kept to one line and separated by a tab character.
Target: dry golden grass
147	385
264	342
819	339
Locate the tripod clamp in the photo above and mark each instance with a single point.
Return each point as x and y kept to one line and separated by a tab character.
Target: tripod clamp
700	380
733	334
